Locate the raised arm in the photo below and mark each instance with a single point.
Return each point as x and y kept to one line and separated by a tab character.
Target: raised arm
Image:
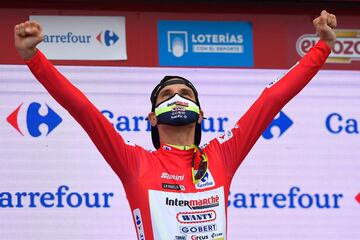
117	153
235	145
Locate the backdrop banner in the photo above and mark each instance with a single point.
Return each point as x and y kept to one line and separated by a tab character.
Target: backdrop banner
300	181
83	37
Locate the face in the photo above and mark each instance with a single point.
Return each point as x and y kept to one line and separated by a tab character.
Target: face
170	91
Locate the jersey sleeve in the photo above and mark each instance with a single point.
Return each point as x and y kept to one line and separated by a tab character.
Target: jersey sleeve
120	156
234	145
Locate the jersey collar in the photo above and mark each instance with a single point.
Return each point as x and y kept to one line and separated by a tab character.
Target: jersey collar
179	147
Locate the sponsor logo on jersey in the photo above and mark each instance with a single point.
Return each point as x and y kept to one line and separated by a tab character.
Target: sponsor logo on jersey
173	186
188	221
225	137
196	217
180	237
34	119
178	103
345	50
195	204
127	142
167	148
206	182
203	146
166	175
178	109
139	224
217	236
275	81
198	229
195	237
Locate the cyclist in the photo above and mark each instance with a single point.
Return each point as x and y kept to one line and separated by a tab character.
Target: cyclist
179	191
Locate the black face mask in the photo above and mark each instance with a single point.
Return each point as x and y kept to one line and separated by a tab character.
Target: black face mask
168	80
177	111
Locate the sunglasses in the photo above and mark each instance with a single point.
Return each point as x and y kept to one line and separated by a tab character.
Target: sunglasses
199	174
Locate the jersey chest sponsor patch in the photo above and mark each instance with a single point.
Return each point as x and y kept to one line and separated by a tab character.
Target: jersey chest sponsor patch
188	215
139	224
206	182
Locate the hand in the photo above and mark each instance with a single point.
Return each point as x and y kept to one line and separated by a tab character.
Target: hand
324	25
27	36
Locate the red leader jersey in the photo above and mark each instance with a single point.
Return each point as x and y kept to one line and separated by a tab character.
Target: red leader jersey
164	201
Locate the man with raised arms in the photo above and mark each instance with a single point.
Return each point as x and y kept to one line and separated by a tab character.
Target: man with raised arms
178	170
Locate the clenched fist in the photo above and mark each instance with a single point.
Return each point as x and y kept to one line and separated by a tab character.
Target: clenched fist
27	36
324	25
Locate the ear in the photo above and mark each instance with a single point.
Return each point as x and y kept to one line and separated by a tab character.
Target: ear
152	119
201	116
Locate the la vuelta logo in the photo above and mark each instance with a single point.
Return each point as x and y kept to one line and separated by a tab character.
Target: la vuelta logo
33	119
345	50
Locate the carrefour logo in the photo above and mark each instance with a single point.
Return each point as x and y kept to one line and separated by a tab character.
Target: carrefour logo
62	197
107	37
136	123
337	123
33	119
294	197
212	124
83	37
282	122
69	37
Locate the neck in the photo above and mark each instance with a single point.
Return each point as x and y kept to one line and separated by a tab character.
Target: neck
177	135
